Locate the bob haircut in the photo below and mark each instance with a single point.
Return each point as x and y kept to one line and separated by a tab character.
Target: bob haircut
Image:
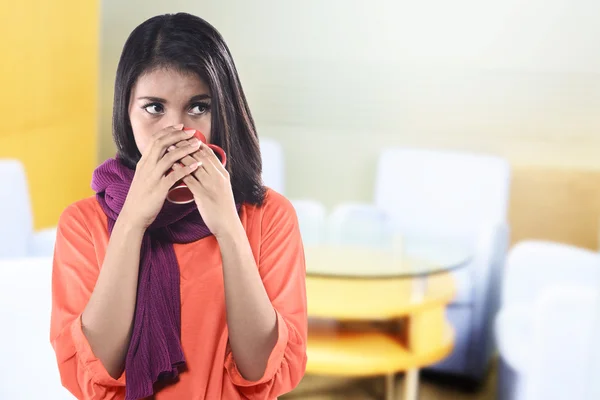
189	44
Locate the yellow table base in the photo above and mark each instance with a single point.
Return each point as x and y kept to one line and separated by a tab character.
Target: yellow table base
415	305
361	354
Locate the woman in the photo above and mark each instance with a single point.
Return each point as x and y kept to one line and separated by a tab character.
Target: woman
157	300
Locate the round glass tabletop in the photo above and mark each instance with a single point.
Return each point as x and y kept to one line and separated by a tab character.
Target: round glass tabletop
405	258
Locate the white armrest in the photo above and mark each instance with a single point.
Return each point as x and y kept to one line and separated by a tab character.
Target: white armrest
535	265
42	243
488	261
551	340
486	269
513	336
563	341
491	244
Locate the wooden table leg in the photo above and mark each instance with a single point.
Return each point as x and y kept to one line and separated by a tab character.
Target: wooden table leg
411	384
390	386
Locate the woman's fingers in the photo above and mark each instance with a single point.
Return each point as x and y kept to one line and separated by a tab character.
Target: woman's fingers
193	183
210	162
164	139
156	136
179	154
179	173
210	166
188	159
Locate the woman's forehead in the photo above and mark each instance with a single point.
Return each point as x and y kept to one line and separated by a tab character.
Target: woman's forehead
169	83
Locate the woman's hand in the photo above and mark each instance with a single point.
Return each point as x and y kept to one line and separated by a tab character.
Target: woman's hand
151	182
212	190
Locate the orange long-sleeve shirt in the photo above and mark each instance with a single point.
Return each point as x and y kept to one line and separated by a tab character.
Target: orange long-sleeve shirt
211	374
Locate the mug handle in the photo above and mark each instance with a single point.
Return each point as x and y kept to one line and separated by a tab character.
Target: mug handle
219	152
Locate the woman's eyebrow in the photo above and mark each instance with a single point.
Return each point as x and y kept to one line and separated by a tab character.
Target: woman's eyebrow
154	99
199	97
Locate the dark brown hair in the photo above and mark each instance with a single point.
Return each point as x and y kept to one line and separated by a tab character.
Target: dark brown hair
190	44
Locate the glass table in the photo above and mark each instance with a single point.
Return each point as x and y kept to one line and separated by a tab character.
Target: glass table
408	282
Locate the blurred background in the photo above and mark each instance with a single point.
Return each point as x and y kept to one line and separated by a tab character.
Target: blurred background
434	119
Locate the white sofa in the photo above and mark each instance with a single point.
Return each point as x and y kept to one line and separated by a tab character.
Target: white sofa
549	323
273	159
311	218
357	224
17	237
28	368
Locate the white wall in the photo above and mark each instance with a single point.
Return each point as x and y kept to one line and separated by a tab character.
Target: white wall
335	81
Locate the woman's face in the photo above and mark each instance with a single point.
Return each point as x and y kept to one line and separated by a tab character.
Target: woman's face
166	97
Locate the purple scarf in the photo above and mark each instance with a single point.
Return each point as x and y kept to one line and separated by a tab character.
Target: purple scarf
154	352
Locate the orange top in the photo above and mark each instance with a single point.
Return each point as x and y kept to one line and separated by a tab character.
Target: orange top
211	373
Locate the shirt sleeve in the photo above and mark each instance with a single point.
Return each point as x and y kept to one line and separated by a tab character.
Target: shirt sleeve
282	269
74	275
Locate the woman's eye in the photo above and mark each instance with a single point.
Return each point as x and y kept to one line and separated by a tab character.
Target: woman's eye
154	109
198	109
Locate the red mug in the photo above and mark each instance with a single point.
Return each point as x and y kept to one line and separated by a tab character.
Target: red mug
180	193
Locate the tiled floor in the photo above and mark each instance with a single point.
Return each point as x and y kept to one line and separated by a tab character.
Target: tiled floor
431	388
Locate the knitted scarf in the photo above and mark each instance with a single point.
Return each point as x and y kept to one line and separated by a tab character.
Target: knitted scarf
155	352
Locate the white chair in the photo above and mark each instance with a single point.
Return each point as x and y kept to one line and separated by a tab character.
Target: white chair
549	323
358	224
17	237
28	368
273	173
311	218
458	198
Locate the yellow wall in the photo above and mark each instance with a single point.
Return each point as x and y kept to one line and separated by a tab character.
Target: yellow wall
49	98
558	204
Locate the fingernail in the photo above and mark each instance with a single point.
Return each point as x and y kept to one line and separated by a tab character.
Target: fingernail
188	131
180	126
194	166
171	148
194	142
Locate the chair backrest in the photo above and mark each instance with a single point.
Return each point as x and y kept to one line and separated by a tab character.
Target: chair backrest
362	225
562	344
533	266
435	191
311	218
16	226
28	368
273	165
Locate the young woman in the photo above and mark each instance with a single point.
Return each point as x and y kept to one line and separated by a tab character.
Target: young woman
159	300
